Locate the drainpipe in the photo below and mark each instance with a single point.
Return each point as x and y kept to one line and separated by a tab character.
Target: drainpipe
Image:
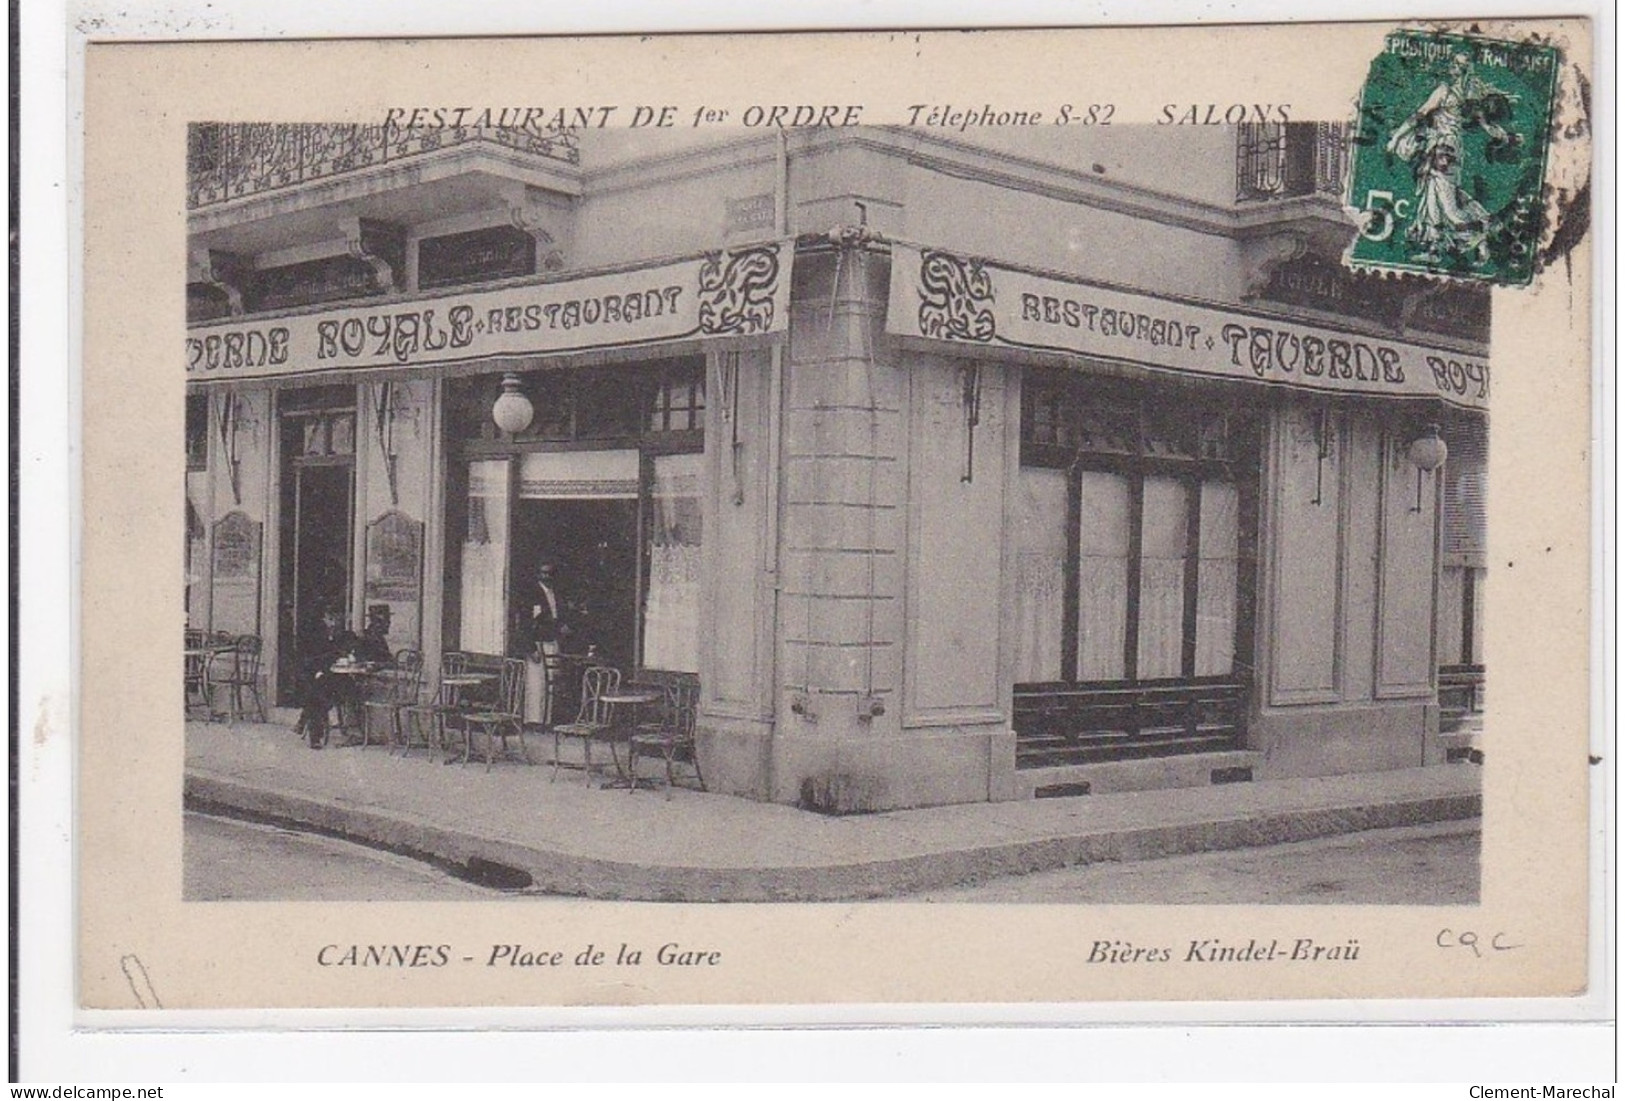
775	451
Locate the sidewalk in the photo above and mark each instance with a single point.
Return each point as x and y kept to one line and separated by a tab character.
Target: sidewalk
681	845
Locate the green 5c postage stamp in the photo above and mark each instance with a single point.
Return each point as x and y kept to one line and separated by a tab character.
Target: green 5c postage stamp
1450	156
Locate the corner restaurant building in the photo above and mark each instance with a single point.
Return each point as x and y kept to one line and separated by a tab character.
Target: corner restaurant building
953	472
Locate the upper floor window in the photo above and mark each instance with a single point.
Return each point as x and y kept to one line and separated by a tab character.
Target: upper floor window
457	259
1283	160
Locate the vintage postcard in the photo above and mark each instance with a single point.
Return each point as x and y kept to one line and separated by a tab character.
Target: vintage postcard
1029	517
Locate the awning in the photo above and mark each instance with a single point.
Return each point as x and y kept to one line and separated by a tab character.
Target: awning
967	303
720	296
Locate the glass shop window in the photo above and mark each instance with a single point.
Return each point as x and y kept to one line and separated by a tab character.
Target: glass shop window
678	401
671	604
1130	541
484	559
607	486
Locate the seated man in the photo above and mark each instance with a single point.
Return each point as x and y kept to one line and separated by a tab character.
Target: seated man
373	646
322	688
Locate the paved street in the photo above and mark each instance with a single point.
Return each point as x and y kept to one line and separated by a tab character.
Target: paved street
1416	866
1419	865
227	859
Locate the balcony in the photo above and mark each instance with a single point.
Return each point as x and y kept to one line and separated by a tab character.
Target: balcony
1276	160
227	161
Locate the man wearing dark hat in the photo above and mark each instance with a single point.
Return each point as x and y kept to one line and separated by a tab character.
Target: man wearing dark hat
373	647
322	687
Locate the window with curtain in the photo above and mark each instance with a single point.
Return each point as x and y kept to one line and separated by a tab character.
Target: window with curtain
485	560
1130	540
1217	578
671	604
1164	527
1040	547
1102	574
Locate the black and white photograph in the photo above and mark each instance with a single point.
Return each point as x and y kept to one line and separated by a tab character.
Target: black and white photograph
806	521
976	510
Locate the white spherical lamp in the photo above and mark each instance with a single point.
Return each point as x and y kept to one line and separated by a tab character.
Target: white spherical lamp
1428	452
512	410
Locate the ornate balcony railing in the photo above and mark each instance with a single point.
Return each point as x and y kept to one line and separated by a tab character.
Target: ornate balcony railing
1283	160
226	161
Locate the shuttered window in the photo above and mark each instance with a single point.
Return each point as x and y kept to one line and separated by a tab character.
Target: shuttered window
1466	477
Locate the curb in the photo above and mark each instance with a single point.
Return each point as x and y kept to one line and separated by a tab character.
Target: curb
563	873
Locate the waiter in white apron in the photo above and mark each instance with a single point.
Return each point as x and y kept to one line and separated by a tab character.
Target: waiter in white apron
545	629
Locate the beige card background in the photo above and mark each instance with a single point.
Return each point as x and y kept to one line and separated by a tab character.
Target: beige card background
138	100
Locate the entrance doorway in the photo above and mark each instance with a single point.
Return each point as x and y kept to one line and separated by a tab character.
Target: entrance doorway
318	508
593	545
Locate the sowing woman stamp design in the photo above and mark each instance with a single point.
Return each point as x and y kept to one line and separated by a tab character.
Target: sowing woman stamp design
1450	156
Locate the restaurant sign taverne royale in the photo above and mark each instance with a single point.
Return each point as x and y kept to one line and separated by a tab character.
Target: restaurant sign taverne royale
744	292
940	296
738	292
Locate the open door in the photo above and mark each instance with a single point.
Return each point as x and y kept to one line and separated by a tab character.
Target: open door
318	509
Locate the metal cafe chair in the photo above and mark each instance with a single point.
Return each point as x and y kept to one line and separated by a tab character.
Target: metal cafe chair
390	690
473	688
196	682
505	717
592	718
236	671
672	737
199	648
426	716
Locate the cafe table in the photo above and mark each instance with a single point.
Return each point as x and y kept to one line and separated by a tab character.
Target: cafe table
358	672
621	730
451	688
